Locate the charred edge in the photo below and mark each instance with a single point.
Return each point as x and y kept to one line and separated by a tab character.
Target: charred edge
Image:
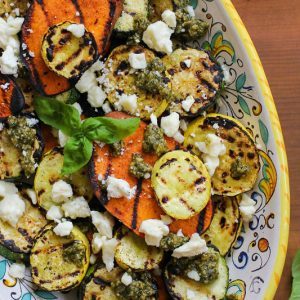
9	244
167	163
51	47
61	66
136	204
225	123
77	7
26	235
17	100
201	221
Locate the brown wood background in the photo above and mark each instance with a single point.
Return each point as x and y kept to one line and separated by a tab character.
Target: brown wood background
274	26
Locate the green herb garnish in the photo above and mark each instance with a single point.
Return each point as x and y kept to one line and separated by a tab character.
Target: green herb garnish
79	147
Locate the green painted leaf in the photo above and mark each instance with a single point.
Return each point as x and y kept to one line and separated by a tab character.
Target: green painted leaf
296	277
240	82
244	105
263	132
194	3
26	296
2	268
206	46
45	295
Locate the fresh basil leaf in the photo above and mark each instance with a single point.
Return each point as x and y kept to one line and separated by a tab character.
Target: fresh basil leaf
58	115
77	153
296	277
109	130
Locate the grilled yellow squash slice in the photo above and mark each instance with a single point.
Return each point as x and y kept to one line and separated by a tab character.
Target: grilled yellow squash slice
240	153
181	184
226	224
59	263
20	239
122	81
106	276
133	253
193	73
66	54
49	171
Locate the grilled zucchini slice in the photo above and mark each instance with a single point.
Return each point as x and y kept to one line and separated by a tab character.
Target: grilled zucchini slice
59	263
49	171
68	55
201	78
108	277
181	184
178	286
240	148
96	289
122	81
70	97
225	225
133	253
20	239
13	256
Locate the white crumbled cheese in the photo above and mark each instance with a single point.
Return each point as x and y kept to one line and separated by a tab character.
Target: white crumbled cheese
78	107
167	220
54	213
178	137
226	73
188	103
103	222
77	208
12	208
32	121
5	86
188	63
169	18
64	228
118	188
97	242
93	259
195	246
190	295
147	175
108	253
7	188
96	96
77	30
193	275
10	44
32	195
17	270
148	108
1	126
190	10
127	102
61	191
212	148
126	279
86	81
247	208
158	37
180	233
153	119
154	231
62	138
137	60
170	124
183	125
106	107
216	126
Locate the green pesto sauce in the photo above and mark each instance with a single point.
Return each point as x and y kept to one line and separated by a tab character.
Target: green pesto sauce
181	3
152	80
24	138
206	265
141	288
154	140
75	253
140	24
172	241
117	148
138	167
238	169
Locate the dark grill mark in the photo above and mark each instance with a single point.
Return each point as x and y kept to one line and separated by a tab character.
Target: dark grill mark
183	65
222	222
136	204
231	139
165	199
200	180
227	124
77	7
184	202
167	163
231	153
171	71
250	155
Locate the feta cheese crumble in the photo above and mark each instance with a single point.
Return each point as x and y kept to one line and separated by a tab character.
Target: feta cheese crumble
154	231
247	208
118	188
137	60
158	37
108	253
188	63
195	246
103	222
153	119
97	242
170	124
77	30
127	102
169	18
32	195
126	279
167	220
64	228
17	271
190	11
61	191
77	208
193	275
54	213
188	103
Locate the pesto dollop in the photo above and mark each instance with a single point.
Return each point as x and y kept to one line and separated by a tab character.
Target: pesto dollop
154	140
24	138
140	24
138	167
74	253
172	241
238	169
141	288
117	148
206	265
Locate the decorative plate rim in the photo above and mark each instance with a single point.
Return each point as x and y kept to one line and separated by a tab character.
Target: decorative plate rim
280	146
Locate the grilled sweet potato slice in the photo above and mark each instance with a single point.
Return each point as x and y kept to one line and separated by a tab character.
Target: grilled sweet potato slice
11	97
144	205
98	17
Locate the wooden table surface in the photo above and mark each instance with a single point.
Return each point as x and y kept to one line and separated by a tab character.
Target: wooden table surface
274	26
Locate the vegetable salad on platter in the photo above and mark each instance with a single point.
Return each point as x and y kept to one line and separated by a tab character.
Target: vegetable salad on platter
118	176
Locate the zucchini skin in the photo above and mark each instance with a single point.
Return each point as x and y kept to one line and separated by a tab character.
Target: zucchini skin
14	256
